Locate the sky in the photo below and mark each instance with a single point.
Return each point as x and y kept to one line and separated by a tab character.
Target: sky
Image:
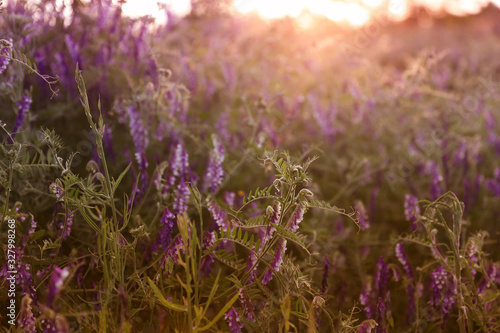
354	12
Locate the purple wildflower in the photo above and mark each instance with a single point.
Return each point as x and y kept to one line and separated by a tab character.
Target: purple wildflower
207	260
26	318
275	214
364	222
324	280
403	259
230	198
252	259
179	164
410	209
5	50
297	217
23	107
56	283
167	223
381	278
233	320
30	231
218	214
277	261
246	303
365	299
367	326
137	131
443	291
381	316
215	172
181	197
66	230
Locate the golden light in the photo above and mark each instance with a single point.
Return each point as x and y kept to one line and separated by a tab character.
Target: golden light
353	12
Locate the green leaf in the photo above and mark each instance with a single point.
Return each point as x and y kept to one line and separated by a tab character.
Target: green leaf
221	313
117	182
163	301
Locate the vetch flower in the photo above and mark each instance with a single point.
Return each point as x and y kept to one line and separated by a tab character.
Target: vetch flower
277	261
443	291
218	214
246	303
215	172
364	222
23	107
137	130
167	223
252	259
5	50
56	283
297	217
207	260
26	318
233	320
324	280
410	202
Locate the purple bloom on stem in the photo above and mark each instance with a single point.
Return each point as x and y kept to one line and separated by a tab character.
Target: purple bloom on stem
181	197
5	50
275	219
26	318
167	223
380	317
23	107
137	131
207	260
364	222
297	217
247	305
367	326
277	261
252	259
443	291
324	280
233	320
66	227
382	276
403	259
56	283
218	214
215	172
230	198
410	210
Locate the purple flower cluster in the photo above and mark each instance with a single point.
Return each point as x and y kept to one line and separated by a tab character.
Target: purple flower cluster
26	318
5	50
246	303
297	217
275	214
377	291
233	321
364	222
443	291
137	130
56	283
207	260
277	261
324	280
167	224
403	259
215	172
23	107
410	210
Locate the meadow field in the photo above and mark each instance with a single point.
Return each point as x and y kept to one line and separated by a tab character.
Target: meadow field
227	173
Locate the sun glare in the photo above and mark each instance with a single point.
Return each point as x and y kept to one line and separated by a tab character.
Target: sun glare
353	12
